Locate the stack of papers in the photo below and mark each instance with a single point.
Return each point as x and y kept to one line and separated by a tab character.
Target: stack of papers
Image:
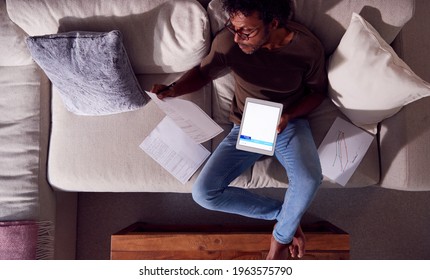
175	143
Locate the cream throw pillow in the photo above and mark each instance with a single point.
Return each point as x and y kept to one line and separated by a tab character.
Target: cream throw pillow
368	81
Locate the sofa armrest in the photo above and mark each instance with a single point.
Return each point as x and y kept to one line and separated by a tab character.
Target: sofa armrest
405	137
413	42
404	148
58	207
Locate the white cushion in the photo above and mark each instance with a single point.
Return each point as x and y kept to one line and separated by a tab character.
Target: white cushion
13	51
102	154
368	81
160	36
19	142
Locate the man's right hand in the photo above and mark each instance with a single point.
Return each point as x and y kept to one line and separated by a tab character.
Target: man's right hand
163	91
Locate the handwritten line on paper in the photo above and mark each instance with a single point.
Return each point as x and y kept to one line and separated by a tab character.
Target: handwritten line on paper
342	150
341	155
173	149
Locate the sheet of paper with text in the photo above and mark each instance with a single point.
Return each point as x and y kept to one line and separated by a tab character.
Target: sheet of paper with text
173	149
189	117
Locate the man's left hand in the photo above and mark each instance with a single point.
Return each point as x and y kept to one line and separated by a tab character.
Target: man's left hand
283	122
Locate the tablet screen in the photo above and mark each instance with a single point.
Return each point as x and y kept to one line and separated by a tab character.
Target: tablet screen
258	127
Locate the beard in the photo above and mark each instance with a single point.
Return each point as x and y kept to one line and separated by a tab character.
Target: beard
251	48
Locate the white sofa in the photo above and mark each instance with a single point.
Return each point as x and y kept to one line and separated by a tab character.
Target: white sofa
48	154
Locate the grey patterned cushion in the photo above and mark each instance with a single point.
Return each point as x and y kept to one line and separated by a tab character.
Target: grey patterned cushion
91	70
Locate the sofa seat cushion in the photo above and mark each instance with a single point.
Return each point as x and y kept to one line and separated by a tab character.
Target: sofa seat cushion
19	142
160	36
102	154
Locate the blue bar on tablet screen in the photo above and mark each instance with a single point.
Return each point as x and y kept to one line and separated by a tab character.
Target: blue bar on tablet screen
248	139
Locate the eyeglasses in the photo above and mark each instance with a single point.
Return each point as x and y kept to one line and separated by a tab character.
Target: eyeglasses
243	36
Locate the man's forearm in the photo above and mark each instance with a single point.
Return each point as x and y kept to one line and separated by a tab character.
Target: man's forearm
191	81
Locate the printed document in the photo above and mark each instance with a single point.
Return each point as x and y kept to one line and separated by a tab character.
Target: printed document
189	117
342	150
173	149
175	143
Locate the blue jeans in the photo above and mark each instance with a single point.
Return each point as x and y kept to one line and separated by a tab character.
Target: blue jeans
295	150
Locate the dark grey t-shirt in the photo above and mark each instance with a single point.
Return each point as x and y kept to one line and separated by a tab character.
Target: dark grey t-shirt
282	75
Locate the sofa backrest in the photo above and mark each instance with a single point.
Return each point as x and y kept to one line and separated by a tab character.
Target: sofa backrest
328	19
13	51
160	36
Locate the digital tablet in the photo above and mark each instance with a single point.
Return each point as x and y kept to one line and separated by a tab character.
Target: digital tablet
258	127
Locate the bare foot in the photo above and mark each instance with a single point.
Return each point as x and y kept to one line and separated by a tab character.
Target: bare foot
296	248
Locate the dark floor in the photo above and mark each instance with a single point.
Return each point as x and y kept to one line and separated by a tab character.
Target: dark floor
383	224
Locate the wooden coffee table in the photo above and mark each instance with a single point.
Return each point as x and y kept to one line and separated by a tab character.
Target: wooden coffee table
158	242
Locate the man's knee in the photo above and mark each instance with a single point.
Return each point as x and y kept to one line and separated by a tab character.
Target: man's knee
314	181
203	197
311	178
314	172
315	177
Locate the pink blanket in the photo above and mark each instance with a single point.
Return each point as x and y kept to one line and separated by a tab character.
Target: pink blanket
18	240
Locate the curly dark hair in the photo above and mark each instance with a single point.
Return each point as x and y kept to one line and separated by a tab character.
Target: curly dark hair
268	9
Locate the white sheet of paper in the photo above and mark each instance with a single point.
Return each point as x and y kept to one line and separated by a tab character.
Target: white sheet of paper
173	149
189	117
342	150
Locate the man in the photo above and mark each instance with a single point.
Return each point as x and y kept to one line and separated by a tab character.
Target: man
274	59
